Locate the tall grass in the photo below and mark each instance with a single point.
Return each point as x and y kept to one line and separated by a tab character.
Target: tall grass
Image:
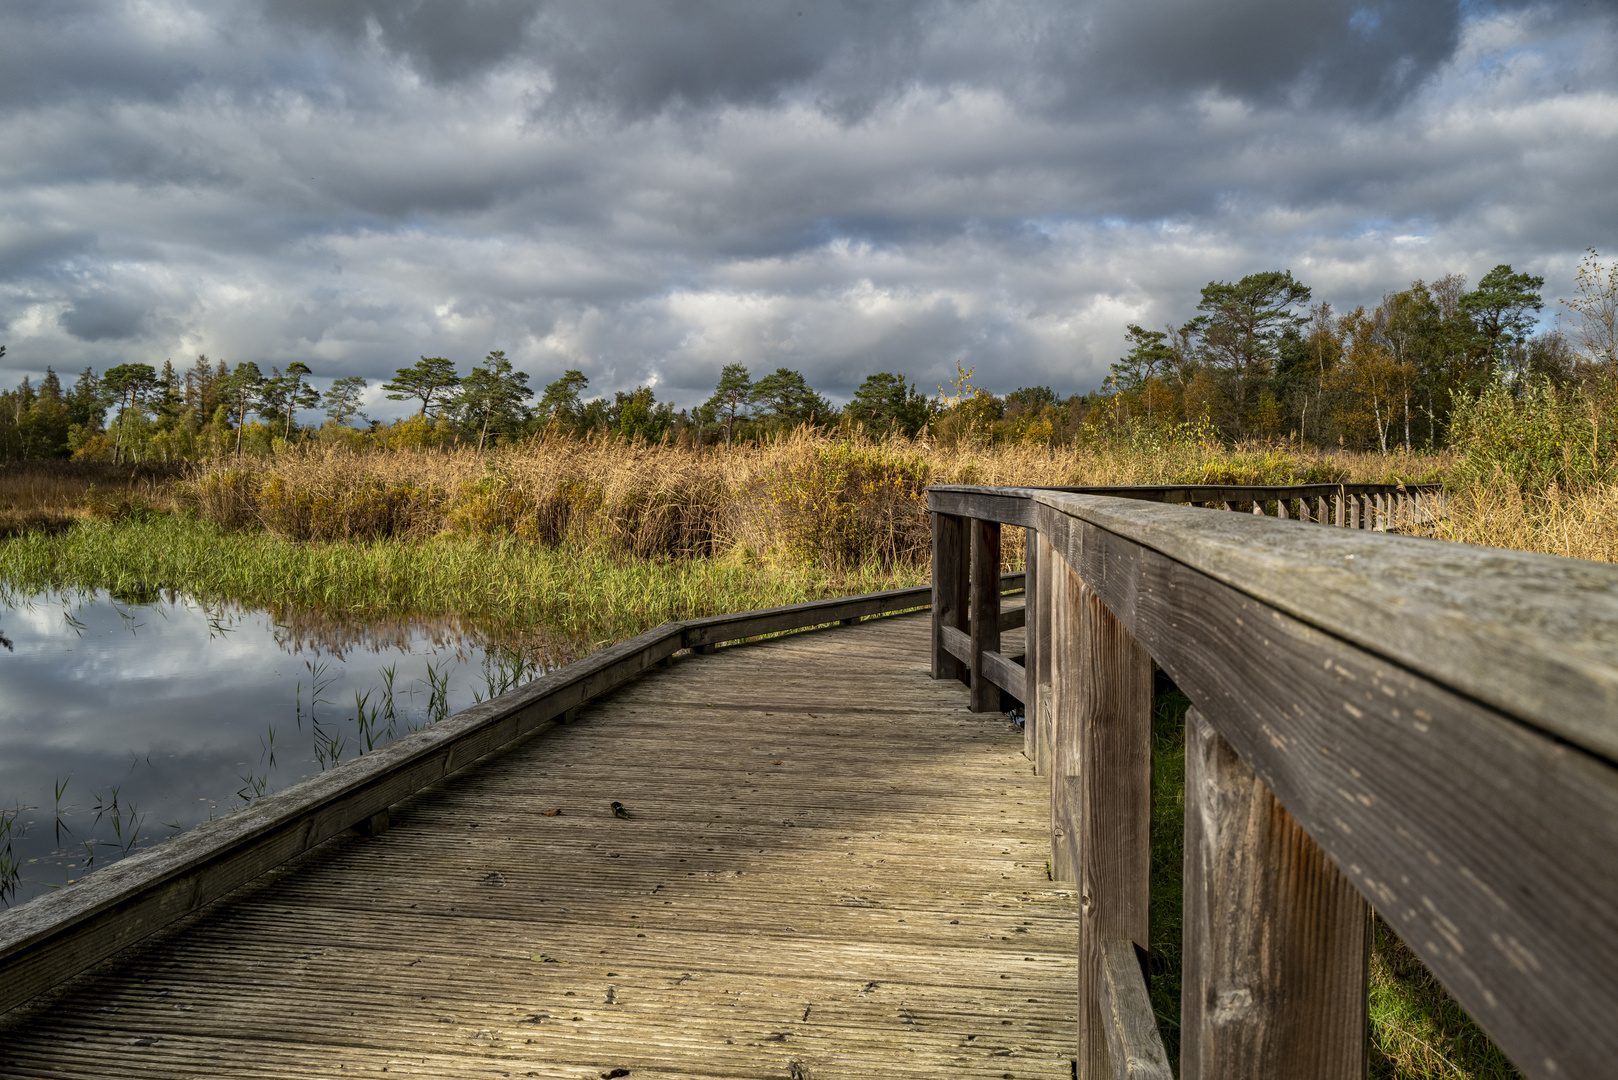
586	595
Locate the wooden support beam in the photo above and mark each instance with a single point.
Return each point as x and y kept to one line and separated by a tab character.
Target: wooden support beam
985	615
1133	1042
1003	673
1114	860
1030	703
1276	938
949	590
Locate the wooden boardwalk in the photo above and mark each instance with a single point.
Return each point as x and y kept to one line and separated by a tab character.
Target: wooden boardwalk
831	869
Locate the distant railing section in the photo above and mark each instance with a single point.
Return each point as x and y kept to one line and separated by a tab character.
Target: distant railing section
1429	727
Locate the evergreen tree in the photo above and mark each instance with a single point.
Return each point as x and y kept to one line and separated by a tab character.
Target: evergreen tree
561	405
434	377
787	399
1500	307
240	391
731	397
343	398
885	403
128	386
494	395
1245	322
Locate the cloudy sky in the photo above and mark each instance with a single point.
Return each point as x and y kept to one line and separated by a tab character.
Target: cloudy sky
648	191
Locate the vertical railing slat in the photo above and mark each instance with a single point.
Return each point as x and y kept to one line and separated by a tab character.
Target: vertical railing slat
1050	567
985	586
1113	862
949	590
1275	935
1030	660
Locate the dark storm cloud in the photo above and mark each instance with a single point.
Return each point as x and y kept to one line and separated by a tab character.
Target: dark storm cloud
647	191
102	318
637	58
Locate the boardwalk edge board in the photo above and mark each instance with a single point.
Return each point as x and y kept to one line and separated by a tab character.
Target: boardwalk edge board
52	938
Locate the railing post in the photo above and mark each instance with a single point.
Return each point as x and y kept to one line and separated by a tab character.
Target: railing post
1040	671
1030	659
985	610
1101	784
1276	939
949	590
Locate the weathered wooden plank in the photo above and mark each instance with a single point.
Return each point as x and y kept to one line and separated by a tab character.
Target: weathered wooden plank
1031	620
1134	1044
720	628
1066	747
1114	857
1013	619
1276	938
951	569
985	615
1001	672
1489	846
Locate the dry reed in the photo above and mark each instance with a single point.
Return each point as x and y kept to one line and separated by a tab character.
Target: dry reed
803	499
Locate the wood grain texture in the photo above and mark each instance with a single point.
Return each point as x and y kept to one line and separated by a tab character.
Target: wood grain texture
1030	727
1114	853
951	542
1276	938
1534	636
861	890
1490	847
1067	749
1134	1045
1002	673
1041	668
985	614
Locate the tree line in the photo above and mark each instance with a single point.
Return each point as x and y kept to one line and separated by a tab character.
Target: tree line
1260	360
140	412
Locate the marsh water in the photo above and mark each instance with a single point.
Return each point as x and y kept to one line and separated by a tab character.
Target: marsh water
124	723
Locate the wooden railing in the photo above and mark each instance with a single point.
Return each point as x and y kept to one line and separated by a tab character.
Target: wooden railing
1428	727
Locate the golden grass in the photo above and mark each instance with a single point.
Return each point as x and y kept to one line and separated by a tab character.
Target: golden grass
804	499
1578	524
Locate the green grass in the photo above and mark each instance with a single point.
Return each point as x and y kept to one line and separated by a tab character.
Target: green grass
581	595
1168	846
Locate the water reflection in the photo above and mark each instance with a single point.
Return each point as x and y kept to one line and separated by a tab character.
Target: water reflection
123	723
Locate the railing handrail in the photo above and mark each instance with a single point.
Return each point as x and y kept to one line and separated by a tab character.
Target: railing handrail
1534	635
1429	726
1197	493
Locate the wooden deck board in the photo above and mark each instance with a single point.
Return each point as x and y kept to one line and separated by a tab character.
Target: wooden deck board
830	861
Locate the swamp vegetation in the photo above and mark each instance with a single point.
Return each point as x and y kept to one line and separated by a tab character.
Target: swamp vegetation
561	545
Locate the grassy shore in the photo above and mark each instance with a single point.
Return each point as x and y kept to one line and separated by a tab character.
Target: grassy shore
583	596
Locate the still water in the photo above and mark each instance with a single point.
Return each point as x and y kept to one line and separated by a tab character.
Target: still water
122	724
